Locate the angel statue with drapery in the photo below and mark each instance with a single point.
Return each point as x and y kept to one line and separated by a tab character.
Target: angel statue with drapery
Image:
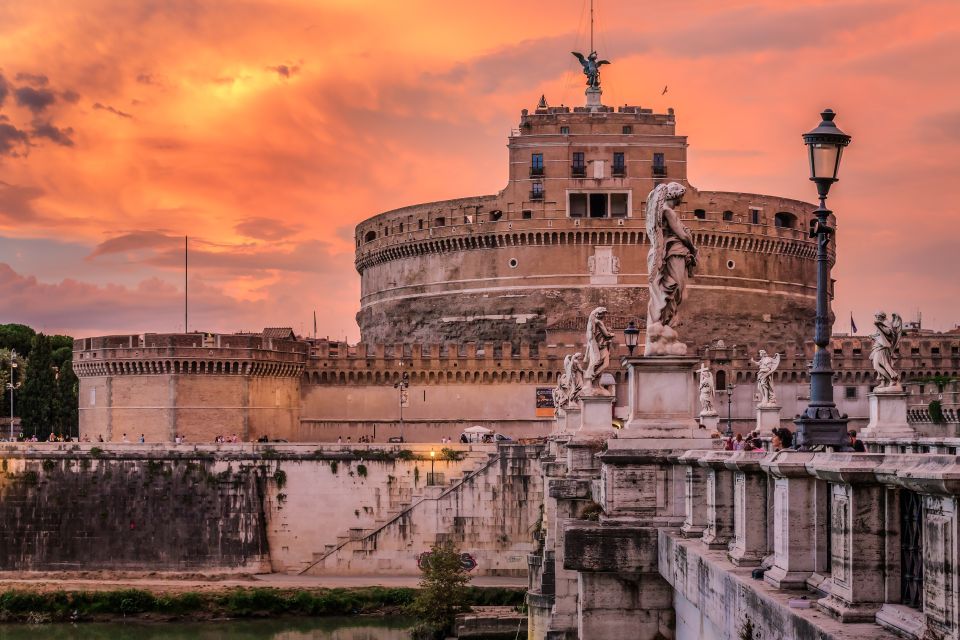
886	337
670	262
591	67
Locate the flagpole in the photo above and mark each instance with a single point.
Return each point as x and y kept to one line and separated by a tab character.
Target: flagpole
185	287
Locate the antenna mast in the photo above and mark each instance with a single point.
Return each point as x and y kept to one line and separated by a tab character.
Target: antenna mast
591	26
185	285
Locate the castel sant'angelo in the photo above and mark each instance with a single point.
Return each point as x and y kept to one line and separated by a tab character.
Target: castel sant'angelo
463	294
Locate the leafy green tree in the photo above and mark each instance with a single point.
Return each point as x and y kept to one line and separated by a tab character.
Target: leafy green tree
4	379
68	389
443	593
61	355
61	342
38	398
18	337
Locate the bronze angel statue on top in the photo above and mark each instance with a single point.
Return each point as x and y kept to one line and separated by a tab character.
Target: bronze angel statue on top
591	67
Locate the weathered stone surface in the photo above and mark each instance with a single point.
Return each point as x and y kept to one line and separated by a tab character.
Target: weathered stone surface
591	547
569	488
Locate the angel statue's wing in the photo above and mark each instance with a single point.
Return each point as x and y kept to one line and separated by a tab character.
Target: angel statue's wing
776	362
600	62
580	57
896	324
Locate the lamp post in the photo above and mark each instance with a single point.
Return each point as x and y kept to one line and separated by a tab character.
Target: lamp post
630	335
11	385
729	391
401	386
821	423
433	455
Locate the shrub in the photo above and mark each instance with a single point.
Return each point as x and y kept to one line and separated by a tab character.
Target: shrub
451	454
280	477
362	471
443	593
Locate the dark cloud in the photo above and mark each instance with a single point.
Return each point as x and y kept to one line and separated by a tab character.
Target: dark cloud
4	89
35	79
16	202
106	107
13	141
146	78
134	241
53	133
34	99
70	96
284	70
265	229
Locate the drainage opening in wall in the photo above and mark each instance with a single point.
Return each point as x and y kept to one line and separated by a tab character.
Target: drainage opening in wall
731	264
513	263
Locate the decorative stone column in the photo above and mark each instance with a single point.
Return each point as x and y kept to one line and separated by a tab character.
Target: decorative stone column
749	508
888	416
857	528
794	519
768	418
719	527
694	494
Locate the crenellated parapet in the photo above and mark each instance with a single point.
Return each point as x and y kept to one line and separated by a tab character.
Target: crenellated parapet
252	355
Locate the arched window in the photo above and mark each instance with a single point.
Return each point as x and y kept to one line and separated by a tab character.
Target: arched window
721	382
370	236
700	214
728	216
785	219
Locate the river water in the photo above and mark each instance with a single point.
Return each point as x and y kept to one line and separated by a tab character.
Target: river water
288	629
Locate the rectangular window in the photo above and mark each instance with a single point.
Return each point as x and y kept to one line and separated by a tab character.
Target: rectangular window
439	222
700	214
857	351
728	216
564	131
915	351
627	129
527	214
754	216
935	351
536	164
598	205
536	191
619	164
420	224
578	205
618	205
579	164
659	166
850	393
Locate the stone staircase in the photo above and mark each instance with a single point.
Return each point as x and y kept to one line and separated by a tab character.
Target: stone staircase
405	499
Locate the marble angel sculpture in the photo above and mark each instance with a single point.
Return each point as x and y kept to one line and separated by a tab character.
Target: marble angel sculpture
574	373
708	391
598	341
670	262
766	365
886	337
562	390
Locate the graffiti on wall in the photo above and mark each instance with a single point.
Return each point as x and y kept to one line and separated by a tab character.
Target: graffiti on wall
467	561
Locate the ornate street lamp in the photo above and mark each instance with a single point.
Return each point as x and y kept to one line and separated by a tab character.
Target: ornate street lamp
433	478
11	385
630	335
401	386
729	391
821	423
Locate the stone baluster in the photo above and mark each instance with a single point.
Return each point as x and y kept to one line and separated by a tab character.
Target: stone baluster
794	519
749	508
719	527
694	494
857	561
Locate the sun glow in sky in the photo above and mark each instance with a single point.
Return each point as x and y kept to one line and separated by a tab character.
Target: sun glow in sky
266	130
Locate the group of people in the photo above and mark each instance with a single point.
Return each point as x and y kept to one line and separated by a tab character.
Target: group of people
231	439
780	438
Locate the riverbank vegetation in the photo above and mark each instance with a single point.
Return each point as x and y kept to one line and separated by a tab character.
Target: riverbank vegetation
29	606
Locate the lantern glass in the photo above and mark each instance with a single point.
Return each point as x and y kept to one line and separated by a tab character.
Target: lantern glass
824	160
630	334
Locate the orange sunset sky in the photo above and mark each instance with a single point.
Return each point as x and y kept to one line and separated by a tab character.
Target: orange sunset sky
266	130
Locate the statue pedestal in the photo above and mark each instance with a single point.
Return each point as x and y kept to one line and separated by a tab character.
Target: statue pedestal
888	415
593	97
597	418
662	399
710	422
572	420
768	418
559	422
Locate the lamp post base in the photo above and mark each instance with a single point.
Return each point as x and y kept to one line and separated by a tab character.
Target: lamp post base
822	426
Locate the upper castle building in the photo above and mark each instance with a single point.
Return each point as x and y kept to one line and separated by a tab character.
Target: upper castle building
567	234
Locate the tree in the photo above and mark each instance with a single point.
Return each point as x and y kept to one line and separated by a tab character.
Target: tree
18	337
443	592
4	379
68	390
38	398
